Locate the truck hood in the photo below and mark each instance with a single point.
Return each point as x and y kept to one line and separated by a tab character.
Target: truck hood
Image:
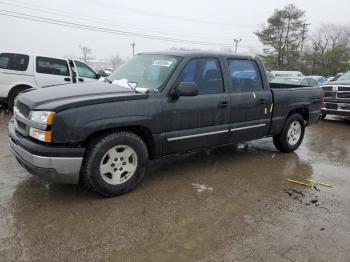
58	98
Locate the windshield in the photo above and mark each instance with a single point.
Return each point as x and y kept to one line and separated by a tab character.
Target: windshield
290	81
146	71
346	76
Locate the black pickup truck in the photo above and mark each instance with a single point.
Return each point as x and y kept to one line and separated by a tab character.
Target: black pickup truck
104	133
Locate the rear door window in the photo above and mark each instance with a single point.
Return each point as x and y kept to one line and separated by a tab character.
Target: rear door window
17	62
245	75
52	66
206	73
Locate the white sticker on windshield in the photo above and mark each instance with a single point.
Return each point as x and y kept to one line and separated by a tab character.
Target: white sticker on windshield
162	63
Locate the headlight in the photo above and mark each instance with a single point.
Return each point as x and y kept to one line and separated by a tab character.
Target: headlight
42	135
42	117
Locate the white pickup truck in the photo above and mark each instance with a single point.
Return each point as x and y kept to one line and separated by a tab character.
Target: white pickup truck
19	72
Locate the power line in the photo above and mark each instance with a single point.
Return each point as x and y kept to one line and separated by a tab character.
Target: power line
181	18
102	29
113	23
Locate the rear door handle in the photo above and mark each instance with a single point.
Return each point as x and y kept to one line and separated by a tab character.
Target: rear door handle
262	101
223	104
67	79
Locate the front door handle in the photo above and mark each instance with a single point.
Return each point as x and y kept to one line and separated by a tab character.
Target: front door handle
81	79
67	79
223	104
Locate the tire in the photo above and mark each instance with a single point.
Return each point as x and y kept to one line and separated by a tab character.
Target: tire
323	116
292	134
115	164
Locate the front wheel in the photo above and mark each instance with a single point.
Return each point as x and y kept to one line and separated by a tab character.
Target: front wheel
115	164
292	134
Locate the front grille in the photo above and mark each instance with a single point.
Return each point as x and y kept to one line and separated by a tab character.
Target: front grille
337	92
344	95
23	109
327	91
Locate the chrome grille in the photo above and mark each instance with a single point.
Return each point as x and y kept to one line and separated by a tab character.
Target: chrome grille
327	91
23	109
340	92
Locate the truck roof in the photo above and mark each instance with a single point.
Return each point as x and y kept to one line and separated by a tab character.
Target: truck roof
199	53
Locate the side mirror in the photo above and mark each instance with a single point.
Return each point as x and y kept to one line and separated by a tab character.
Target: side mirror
186	89
101	73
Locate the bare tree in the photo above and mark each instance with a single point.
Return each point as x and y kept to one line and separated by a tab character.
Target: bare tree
86	51
116	61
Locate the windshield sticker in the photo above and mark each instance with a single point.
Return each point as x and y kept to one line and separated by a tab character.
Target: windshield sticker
162	63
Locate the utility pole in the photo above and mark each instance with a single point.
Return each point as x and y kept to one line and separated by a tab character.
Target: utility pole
303	33
133	44
237	41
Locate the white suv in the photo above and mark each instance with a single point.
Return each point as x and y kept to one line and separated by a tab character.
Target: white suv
19	72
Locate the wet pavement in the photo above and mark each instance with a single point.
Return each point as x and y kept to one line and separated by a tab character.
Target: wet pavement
228	204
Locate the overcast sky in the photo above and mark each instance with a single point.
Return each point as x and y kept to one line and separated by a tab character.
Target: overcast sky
217	21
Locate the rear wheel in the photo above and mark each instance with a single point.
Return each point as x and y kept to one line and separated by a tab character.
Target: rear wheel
115	164
292	134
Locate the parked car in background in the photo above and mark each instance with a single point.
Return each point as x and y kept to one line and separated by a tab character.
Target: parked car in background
19	72
320	79
157	104
300	81
287	73
337	97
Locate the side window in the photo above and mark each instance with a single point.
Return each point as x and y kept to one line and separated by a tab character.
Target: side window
312	82
16	62
85	71
52	66
206	73
245	76
5	60
304	82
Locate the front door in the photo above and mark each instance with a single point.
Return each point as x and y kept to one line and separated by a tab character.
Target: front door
251	102
84	73
200	121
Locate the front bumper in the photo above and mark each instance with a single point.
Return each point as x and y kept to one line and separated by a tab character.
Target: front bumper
54	169
341	109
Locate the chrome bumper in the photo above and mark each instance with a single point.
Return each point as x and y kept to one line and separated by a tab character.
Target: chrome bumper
339	111
53	169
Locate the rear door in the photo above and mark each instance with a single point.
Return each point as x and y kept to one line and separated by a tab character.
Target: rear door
84	72
251	102
51	71
200	121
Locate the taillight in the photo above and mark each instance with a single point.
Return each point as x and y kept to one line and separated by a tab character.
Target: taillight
322	98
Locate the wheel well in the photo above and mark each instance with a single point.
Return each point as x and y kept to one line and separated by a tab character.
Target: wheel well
16	89
143	132
304	112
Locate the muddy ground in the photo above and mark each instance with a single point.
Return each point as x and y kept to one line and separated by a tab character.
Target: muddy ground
229	204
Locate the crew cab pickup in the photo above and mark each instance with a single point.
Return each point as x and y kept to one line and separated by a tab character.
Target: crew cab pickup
103	134
337	97
19	72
